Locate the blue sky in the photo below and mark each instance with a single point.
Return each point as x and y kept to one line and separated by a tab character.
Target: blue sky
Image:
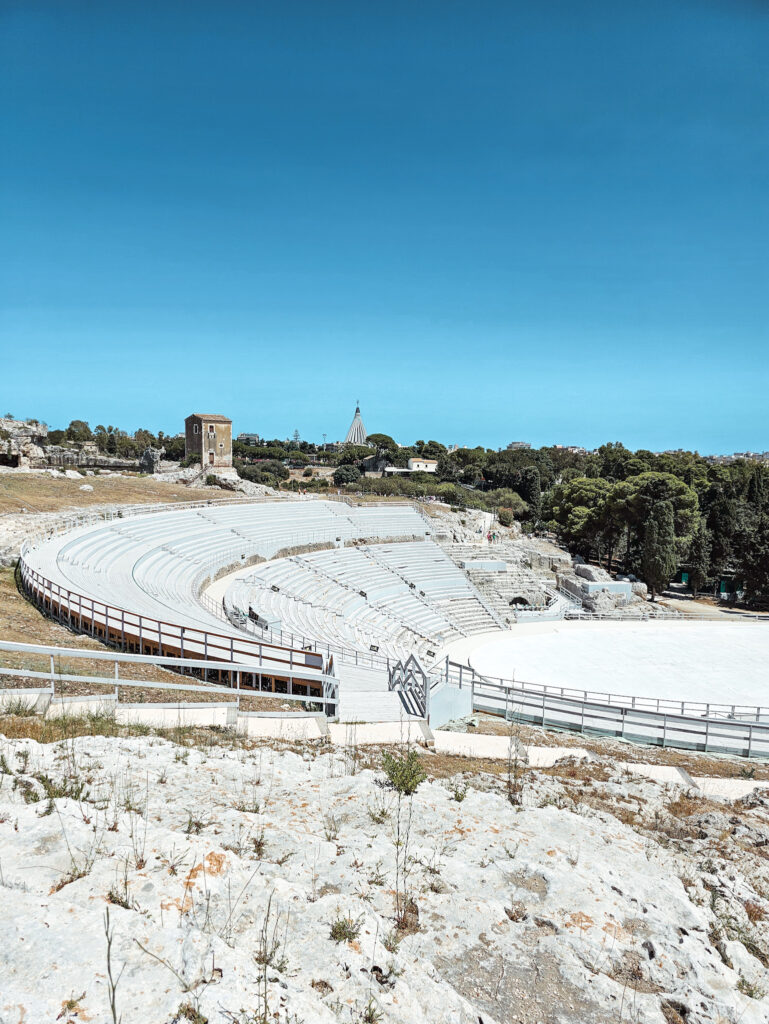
488	221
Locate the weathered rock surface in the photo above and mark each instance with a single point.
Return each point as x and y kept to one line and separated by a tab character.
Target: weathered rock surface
224	870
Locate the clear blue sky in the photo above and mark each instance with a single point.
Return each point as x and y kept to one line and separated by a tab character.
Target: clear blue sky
488	221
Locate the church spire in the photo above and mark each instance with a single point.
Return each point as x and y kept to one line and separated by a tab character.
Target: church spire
357	432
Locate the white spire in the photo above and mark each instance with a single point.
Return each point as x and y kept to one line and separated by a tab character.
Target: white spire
357	432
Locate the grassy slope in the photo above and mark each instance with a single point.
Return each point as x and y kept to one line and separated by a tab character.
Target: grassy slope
45	493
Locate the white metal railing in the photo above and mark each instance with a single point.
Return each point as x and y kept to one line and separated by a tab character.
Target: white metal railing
712	727
297	682
455	672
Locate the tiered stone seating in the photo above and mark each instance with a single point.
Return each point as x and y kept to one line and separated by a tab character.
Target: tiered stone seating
150	564
399	597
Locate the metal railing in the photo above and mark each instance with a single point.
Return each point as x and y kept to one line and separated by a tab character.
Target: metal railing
133	631
457	673
710	727
244	678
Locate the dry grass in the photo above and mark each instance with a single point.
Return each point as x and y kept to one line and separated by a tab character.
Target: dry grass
47	493
55	730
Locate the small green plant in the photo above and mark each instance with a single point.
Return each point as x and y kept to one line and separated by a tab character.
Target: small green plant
194	825
750	988
404	772
259	844
371	1013
459	791
344	929
72	1003
20	707
187	1012
248	806
376	875
379	811
118	898
391	941
330	827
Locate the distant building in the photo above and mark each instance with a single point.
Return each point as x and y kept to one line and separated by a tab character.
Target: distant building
357	432
252	439
416	465
423	465
209	437
514	445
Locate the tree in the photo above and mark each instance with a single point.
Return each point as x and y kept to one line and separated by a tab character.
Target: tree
78	430
576	510
699	558
100	437
659	552
447	469
433	450
754	563
652	489
346	475
383	443
144	439
530	490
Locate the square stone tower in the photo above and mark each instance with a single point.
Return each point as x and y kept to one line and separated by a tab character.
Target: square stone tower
209	437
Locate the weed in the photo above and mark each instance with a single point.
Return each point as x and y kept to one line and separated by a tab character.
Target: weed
750	988
271	949
259	844
330	826
459	791
194	825
371	1013
189	1013
345	929
379	811
376	876
112	982
20	708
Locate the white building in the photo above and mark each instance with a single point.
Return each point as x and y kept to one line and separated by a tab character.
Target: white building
423	465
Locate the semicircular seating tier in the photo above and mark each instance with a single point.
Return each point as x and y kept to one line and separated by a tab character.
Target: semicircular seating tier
353	576
399	597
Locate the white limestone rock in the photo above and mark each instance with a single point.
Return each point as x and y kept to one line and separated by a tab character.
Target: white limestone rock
526	914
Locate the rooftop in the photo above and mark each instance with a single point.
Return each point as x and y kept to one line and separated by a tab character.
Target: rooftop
215	416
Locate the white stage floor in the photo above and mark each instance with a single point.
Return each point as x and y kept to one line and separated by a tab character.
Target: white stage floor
717	662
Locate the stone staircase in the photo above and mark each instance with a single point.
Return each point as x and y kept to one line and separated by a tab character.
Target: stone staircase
365	696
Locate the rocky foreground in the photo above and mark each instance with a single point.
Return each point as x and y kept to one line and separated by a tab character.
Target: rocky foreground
146	882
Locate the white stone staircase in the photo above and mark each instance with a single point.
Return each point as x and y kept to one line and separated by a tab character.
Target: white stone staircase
364	696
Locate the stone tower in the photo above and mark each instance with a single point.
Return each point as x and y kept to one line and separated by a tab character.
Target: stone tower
209	437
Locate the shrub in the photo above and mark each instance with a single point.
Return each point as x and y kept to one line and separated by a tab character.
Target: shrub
210	480
505	517
346	475
344	929
404	772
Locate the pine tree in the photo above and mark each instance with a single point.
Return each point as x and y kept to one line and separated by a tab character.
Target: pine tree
659	553
699	558
754	564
